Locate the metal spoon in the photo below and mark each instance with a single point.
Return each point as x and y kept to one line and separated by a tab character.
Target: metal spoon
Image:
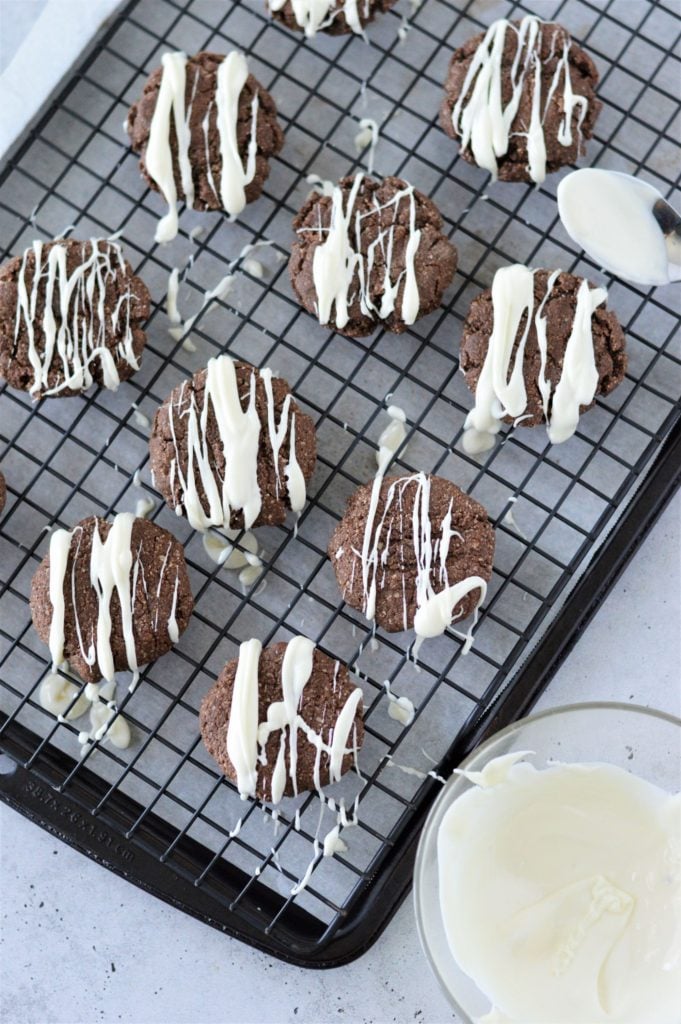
670	225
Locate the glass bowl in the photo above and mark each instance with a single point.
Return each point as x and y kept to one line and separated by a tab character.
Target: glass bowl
640	740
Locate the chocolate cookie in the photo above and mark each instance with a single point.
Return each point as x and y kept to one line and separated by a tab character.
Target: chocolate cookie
372	253
231	448
205	129
111	596
3	492
282	720
332	16
537	348
521	97
411	550
71	314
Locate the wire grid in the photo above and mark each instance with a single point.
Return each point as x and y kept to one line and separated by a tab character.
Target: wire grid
64	460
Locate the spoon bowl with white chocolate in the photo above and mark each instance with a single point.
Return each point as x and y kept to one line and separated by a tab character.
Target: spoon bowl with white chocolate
624	224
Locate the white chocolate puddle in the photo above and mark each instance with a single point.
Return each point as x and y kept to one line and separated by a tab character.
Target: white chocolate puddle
560	892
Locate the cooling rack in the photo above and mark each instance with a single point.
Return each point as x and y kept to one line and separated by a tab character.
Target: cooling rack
567	518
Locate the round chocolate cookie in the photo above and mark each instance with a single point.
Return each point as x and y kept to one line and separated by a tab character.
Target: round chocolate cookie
332	16
3	492
71	314
323	718
244	460
372	253
228	130
521	97
405	539
112	596
578	353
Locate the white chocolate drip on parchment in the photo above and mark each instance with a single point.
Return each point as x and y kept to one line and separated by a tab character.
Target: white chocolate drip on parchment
315	15
57	694
239	433
244	559
331	842
113	567
400	709
338	261
485	123
501	391
67	700
180	328
247	737
234	177
75	338
223	550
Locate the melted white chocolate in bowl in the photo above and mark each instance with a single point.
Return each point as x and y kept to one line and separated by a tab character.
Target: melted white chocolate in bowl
560	892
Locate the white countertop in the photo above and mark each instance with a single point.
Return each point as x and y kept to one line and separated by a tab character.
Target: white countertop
78	944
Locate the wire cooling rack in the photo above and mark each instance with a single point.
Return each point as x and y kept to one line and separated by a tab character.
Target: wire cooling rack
159	812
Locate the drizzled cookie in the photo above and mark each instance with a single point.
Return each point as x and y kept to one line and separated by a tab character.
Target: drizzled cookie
332	16
230	448
71	315
521	99
111	597
538	347
205	129
282	720
373	253
413	550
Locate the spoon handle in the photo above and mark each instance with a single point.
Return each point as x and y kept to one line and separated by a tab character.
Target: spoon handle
667	217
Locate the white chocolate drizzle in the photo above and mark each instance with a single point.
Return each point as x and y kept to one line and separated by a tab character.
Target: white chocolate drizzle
482	119
392	437
247	737
239	433
234	177
337	262
367	136
501	391
140	418
321	185
332	843
75	338
113	567
508	518
221	290
171	297
315	15
254	268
